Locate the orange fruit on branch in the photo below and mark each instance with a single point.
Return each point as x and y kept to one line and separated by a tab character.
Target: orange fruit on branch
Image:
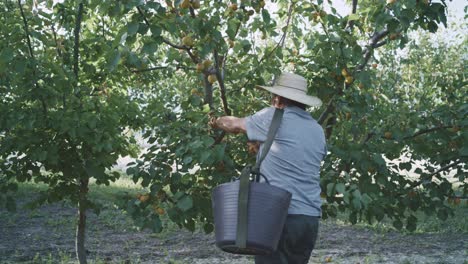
388	135
212	78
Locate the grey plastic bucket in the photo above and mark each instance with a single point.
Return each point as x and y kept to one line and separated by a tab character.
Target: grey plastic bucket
267	210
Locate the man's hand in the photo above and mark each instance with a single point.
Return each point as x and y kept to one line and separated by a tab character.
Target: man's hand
230	124
212	122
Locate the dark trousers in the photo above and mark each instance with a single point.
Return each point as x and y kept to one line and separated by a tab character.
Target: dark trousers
296	242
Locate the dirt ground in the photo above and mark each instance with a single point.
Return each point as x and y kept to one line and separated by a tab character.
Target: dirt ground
46	235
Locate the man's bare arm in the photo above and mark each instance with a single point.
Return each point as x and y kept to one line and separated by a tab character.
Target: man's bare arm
230	124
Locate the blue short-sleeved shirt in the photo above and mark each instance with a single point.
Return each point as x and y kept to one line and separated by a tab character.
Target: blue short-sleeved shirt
293	162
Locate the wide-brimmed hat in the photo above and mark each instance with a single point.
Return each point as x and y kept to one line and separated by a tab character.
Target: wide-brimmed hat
293	87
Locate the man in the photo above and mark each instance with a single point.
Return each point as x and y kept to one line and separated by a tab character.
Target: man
293	163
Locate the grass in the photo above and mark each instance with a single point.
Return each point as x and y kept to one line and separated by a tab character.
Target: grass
110	216
114	218
426	223
124	186
65	258
106	196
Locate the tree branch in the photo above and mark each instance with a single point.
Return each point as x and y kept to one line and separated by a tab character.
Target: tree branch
426	131
174	45
26	29
192	12
143	16
227	51
161	68
380	44
351	23
373	44
368	137
150	69
31	53
59	52
281	42
446	167
76	48
378	36
163	39
328	110
227	111
181	47
219	138
355	2
429	177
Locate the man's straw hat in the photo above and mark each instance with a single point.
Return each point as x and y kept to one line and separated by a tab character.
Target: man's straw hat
293	87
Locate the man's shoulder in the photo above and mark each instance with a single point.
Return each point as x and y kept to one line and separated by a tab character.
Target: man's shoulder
300	112
266	112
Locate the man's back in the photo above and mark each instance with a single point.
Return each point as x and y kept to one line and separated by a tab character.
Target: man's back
293	162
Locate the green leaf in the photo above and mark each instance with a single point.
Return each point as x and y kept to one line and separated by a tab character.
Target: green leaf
205	156
185	203
366	200
208	228
432	26
190	224
218	152
246	45
156	225
150	48
42	155
232	27
266	16
178	195
353	17
340	188
94	171
6	55
377	158
187	160
463	151
208	141
156	31
132	28
330	191
347	197
206	108
356	203
113	60
123	38
398	224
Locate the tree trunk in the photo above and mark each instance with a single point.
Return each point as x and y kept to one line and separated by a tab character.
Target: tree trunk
81	227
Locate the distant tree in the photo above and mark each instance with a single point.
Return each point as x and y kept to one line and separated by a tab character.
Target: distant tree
65	107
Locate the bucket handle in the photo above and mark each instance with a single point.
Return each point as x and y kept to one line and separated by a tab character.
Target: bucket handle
255	179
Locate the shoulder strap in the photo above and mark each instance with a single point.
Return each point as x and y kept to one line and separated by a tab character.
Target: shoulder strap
275	123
